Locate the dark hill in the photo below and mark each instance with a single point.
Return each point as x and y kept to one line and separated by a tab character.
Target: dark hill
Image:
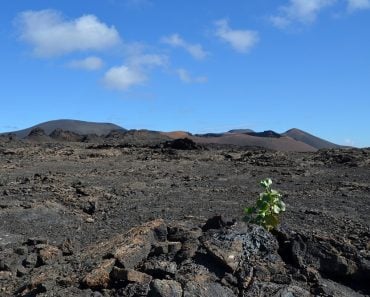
310	139
61	135
268	133
79	127
284	143
38	135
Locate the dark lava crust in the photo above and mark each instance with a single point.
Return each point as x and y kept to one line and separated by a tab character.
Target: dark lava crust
66	208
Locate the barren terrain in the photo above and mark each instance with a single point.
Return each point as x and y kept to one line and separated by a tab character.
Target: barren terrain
82	194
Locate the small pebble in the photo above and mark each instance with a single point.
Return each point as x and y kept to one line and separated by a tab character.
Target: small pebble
90	220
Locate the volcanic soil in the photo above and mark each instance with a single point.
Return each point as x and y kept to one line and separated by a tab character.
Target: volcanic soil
60	201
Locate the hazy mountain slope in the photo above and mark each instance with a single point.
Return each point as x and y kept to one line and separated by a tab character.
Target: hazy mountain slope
283	143
79	127
177	134
310	139
71	130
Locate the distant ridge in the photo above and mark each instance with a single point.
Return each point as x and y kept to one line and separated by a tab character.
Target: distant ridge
268	133
75	126
282	143
80	131
292	140
310	139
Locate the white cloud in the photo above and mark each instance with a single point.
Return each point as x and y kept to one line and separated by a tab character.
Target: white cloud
196	50
89	63
185	77
148	60
134	72
279	21
354	5
51	35
302	11
241	40
123	77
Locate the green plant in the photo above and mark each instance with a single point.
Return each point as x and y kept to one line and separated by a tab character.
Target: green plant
268	207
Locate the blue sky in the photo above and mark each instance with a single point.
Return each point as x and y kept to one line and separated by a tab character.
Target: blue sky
200	66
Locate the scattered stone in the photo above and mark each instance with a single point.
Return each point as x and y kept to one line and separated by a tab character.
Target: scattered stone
166	288
22	250
160	268
5	275
90	207
99	277
206	289
21	271
90	220
67	247
130	275
30	261
174	247
36	241
130	255
220	260
217	222
160	248
181	144
49	254
5	265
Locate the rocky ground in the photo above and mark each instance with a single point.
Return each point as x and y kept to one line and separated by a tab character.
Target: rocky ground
67	209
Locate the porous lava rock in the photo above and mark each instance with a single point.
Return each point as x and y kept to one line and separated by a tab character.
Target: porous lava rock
227	260
181	144
68	136
37	132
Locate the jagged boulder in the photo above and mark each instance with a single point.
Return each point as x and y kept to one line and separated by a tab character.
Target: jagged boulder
221	258
68	136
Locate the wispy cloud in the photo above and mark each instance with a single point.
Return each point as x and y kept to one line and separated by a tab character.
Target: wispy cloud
134	72
186	77
349	142
89	63
355	5
51	35
195	50
123	77
301	11
148	60
240	40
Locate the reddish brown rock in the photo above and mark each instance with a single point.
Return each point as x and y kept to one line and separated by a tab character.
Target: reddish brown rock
99	277
49	255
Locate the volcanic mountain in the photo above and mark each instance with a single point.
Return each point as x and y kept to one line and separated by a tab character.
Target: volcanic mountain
76	131
310	139
266	140
79	127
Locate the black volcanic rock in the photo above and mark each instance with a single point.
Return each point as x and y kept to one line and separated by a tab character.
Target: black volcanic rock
116	134
65	209
182	144
141	137
61	135
37	132
237	260
38	135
